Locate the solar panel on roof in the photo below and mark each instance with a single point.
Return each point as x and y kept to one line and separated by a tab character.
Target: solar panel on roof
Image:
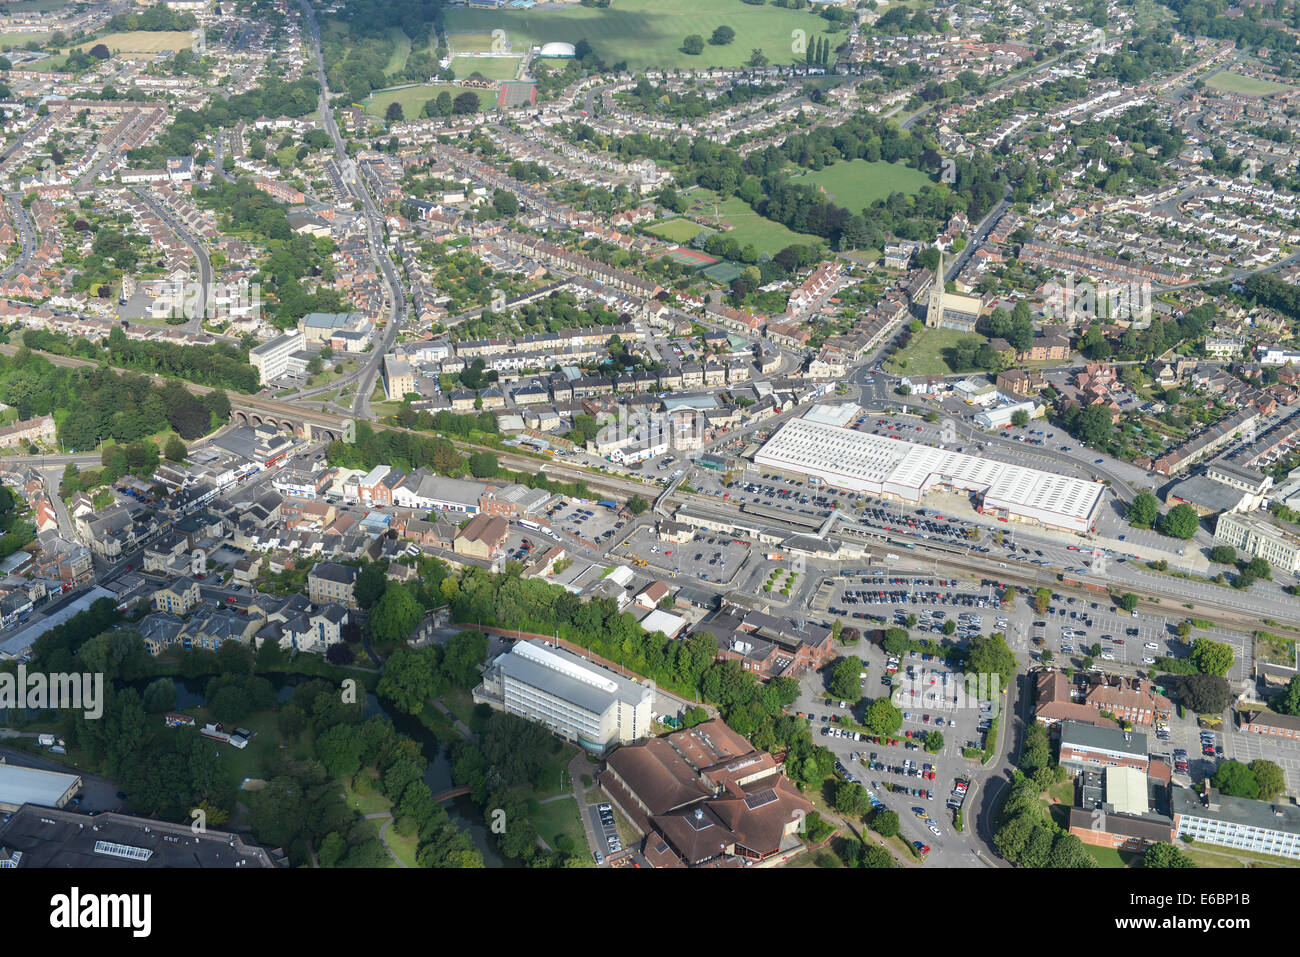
760	799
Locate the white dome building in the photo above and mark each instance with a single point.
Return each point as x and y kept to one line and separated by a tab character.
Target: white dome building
558	50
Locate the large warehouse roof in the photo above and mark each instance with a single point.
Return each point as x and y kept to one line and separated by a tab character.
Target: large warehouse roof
19	786
877	464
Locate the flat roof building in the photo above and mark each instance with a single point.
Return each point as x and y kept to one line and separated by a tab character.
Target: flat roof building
1087	747
278	356
1261	537
1210	817
398	378
577	699
19	786
880	465
43	837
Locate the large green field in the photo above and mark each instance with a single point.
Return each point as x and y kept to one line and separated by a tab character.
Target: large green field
645	33
1247	85
859	183
746	225
413	98
675	230
491	67
10	40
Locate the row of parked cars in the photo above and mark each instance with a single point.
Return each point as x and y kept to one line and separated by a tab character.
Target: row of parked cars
611	831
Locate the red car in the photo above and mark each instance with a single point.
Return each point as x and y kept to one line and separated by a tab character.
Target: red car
231	599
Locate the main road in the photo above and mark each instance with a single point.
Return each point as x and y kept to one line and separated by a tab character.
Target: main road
374	228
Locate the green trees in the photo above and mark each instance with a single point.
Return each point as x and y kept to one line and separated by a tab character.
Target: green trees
1223	555
933	742
1205	693
1143	510
636	505
990	655
722	36
174	449
1036	752
843	682
693	45
885	823
1288	702
1128	601
1260	780
395	615
410	678
1211	657
483	465
850	798
1181	521
1165	855
1028	837
1020	418
882	717
394	113
896	641
370	585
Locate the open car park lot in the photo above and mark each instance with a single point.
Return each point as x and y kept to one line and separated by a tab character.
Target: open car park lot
711	557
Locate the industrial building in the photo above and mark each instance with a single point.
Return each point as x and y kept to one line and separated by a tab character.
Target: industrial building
879	465
39	837
577	699
19	786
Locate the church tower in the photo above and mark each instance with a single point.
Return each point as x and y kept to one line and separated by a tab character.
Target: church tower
934	310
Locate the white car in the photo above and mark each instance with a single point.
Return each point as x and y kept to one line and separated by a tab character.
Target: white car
1151	645
1148	661
935	831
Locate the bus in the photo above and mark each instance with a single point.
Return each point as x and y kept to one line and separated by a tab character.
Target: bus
526	523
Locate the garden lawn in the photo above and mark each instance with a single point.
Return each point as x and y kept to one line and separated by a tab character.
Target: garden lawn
645	33
561	817
924	354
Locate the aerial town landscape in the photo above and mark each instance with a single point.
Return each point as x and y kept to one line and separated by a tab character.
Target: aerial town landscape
800	434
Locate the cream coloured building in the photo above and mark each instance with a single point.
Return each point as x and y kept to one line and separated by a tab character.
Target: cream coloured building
577	699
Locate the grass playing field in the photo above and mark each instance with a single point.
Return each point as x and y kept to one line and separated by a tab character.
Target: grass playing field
675	230
646	33
1246	85
413	98
746	225
492	67
143	41
10	40
859	183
